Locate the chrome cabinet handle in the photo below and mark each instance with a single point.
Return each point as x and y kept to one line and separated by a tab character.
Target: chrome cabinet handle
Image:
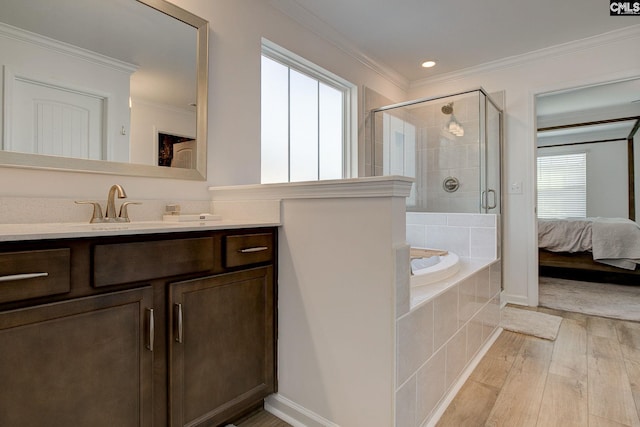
178	313
152	328
24	276
255	249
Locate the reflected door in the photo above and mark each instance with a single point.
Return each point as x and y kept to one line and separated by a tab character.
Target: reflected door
55	121
184	155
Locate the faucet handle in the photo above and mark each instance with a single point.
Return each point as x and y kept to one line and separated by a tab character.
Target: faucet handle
97	210
124	212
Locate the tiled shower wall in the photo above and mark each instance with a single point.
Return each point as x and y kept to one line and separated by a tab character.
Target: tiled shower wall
440	154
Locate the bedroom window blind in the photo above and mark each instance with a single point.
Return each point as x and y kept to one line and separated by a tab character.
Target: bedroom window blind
562	186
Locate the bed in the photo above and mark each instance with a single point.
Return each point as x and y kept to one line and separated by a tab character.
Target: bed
598	249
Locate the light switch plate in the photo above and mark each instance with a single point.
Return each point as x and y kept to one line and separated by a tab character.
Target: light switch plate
515	187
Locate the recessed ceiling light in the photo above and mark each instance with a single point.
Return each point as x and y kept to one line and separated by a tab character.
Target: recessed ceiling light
428	64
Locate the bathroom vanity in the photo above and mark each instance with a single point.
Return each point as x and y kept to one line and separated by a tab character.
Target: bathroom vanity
157	328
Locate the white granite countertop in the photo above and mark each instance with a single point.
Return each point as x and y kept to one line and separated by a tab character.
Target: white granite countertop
68	230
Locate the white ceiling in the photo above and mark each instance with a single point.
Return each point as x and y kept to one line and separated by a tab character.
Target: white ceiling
401	34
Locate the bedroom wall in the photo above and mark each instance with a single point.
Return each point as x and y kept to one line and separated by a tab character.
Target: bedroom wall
607	182
590	61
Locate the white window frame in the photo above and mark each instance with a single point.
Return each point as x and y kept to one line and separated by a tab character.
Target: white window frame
350	99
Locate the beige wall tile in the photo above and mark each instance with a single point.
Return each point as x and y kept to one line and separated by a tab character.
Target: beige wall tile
445	311
406	404
467	299
414	340
475	337
456	356
431	384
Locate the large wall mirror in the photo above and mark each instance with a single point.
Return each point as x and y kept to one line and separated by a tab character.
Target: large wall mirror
108	86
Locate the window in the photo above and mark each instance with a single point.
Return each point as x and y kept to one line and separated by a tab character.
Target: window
305	120
562	186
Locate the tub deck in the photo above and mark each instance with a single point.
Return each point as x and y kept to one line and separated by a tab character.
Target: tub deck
422	293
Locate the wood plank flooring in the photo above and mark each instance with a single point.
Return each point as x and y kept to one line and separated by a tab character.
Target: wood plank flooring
589	376
263	418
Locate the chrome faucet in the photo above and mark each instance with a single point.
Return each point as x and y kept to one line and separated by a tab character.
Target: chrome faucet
110	213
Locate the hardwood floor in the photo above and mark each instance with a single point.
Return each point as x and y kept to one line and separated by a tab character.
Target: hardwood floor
263	418
588	376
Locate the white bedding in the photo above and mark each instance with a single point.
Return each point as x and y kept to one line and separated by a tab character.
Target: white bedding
613	241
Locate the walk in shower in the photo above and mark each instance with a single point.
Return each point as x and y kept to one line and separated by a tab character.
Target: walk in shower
451	145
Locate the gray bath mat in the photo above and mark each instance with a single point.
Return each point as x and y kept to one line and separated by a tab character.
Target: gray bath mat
528	322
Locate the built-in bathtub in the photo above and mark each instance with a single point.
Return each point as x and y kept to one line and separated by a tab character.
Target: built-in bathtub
434	269
425	287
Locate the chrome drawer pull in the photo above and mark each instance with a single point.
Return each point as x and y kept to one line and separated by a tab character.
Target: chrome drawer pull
256	249
152	329
24	276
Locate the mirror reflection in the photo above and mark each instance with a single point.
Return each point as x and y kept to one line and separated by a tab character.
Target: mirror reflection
99	80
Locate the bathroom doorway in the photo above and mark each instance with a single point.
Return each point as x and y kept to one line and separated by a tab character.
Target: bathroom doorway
587	178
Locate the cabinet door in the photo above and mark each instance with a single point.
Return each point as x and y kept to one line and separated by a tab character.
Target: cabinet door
221	345
83	362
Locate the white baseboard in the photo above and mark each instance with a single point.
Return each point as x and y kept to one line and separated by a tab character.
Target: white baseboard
296	415
444	403
514	299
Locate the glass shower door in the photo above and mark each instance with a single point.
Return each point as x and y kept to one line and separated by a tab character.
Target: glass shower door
491	200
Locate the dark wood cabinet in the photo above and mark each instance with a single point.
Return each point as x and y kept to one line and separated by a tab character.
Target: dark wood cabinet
83	362
138	330
221	345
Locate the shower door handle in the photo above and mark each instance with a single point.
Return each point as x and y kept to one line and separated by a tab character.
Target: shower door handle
484	199
494	204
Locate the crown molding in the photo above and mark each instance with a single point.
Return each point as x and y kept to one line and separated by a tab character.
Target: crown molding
9	31
616	36
307	19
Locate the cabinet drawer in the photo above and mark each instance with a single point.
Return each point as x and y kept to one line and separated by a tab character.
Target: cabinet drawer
245	249
120	263
32	274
